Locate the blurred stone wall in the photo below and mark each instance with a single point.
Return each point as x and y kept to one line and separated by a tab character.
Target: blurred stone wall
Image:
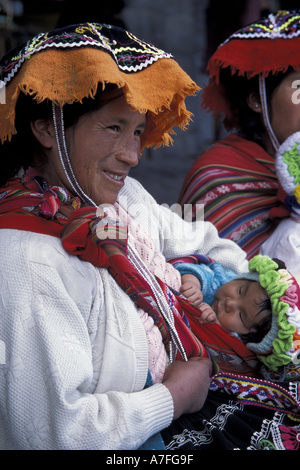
179	28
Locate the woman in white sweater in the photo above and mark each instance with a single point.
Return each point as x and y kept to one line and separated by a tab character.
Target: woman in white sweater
80	356
95	350
78	349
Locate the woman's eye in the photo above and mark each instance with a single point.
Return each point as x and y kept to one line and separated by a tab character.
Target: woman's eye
114	128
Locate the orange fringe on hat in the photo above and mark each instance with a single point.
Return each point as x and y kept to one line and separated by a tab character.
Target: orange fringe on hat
66	76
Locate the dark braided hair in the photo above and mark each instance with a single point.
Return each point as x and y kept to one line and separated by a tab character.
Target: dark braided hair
238	89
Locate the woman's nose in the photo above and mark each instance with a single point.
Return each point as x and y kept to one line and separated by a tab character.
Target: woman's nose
130	151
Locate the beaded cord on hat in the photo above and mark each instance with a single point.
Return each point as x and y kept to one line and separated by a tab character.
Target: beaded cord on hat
136	261
58	120
165	309
265	113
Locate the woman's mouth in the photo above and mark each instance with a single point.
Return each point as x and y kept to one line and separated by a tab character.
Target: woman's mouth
119	178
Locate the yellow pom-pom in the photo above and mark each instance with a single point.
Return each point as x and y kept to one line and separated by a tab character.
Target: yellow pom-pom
297	192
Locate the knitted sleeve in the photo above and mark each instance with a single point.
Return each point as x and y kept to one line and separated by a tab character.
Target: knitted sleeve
74	370
211	277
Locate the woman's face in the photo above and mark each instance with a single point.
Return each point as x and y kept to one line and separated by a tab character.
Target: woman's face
285	115
103	146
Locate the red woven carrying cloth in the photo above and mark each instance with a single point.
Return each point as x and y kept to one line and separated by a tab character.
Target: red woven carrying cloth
29	204
226	350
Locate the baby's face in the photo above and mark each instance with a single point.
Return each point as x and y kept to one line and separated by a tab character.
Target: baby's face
237	306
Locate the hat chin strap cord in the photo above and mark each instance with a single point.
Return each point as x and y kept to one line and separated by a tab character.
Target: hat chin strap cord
58	120
264	105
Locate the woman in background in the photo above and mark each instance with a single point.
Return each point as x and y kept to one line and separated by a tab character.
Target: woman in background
251	85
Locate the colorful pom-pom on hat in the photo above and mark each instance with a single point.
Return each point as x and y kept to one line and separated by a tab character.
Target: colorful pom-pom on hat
288	172
281	346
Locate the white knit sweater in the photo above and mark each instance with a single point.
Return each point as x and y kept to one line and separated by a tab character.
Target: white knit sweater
74	358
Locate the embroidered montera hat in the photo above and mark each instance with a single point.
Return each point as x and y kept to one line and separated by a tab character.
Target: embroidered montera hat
280	347
288	173
267	46
67	64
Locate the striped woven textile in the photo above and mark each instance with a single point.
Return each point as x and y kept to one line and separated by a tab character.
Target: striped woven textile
235	180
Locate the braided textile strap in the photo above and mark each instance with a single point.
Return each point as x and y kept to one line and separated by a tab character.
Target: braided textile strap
102	241
86	234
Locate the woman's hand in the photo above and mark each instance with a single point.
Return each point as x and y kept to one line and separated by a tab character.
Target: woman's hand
188	382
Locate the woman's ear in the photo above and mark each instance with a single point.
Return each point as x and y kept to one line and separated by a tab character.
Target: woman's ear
253	102
43	130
